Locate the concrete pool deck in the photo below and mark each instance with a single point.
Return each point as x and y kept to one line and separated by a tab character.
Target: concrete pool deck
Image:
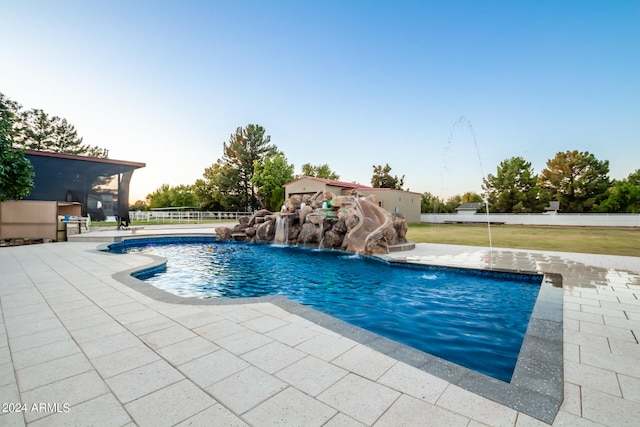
79	347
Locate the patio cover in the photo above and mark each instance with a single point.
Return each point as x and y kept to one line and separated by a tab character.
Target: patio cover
100	185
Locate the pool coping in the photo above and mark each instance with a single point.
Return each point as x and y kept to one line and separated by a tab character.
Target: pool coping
537	385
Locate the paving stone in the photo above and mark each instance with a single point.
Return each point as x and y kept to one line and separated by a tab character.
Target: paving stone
169	405
242	313
33	327
613	362
312	375
44	353
359	398
15	321
168	336
187	350
141	381
630	387
364	361
12	419
265	323
414	382
213	367
217	330
609	410
290	407
342	420
195	320
151	324
292	334
216	415
409	411
124	360
70	391
244	341
476	407
52	371
85	308
589	376
97	332
37	339
326	347
110	344
273	356
104	411
246	389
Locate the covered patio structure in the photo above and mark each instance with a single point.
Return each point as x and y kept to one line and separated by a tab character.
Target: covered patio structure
101	186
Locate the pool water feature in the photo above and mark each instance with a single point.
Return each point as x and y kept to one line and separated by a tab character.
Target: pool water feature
473	318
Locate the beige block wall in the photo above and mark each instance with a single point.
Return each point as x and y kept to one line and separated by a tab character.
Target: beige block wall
28	219
408	204
304	186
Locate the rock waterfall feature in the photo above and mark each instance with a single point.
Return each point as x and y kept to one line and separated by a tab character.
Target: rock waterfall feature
352	223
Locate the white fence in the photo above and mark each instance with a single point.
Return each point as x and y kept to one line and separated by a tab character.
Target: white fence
564	219
184	216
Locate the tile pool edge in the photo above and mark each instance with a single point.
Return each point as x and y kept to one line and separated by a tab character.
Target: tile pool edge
537	385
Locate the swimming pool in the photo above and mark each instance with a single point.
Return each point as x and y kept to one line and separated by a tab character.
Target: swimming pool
473	318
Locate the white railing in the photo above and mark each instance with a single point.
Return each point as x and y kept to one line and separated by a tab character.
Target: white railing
184	216
562	219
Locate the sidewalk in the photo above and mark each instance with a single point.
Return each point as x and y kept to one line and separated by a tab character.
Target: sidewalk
79	347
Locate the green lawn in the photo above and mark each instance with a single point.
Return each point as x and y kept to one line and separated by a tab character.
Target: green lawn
594	240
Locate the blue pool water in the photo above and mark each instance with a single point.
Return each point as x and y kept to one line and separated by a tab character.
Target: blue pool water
476	319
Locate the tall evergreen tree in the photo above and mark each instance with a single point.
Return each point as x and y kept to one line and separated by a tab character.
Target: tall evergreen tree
245	147
35	130
514	188
577	180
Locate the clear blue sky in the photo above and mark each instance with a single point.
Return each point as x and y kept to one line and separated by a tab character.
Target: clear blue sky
348	83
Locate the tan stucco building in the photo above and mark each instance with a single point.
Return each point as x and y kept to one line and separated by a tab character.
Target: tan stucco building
405	202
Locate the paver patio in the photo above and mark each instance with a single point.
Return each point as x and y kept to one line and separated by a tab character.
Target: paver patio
79	347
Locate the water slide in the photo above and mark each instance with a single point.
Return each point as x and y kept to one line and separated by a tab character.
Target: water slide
371	218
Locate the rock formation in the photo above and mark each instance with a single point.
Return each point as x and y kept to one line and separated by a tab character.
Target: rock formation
352	223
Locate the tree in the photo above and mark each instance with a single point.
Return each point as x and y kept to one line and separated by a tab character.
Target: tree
514	188
624	195
245	147
452	204
382	178
577	180
268	178
16	171
35	130
166	196
319	171
207	190
430	203
470	197
139	205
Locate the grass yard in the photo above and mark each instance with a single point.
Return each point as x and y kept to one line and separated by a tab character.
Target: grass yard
594	240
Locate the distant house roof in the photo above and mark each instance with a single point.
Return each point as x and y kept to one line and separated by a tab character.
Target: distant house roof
330	182
474	206
344	185
553	206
